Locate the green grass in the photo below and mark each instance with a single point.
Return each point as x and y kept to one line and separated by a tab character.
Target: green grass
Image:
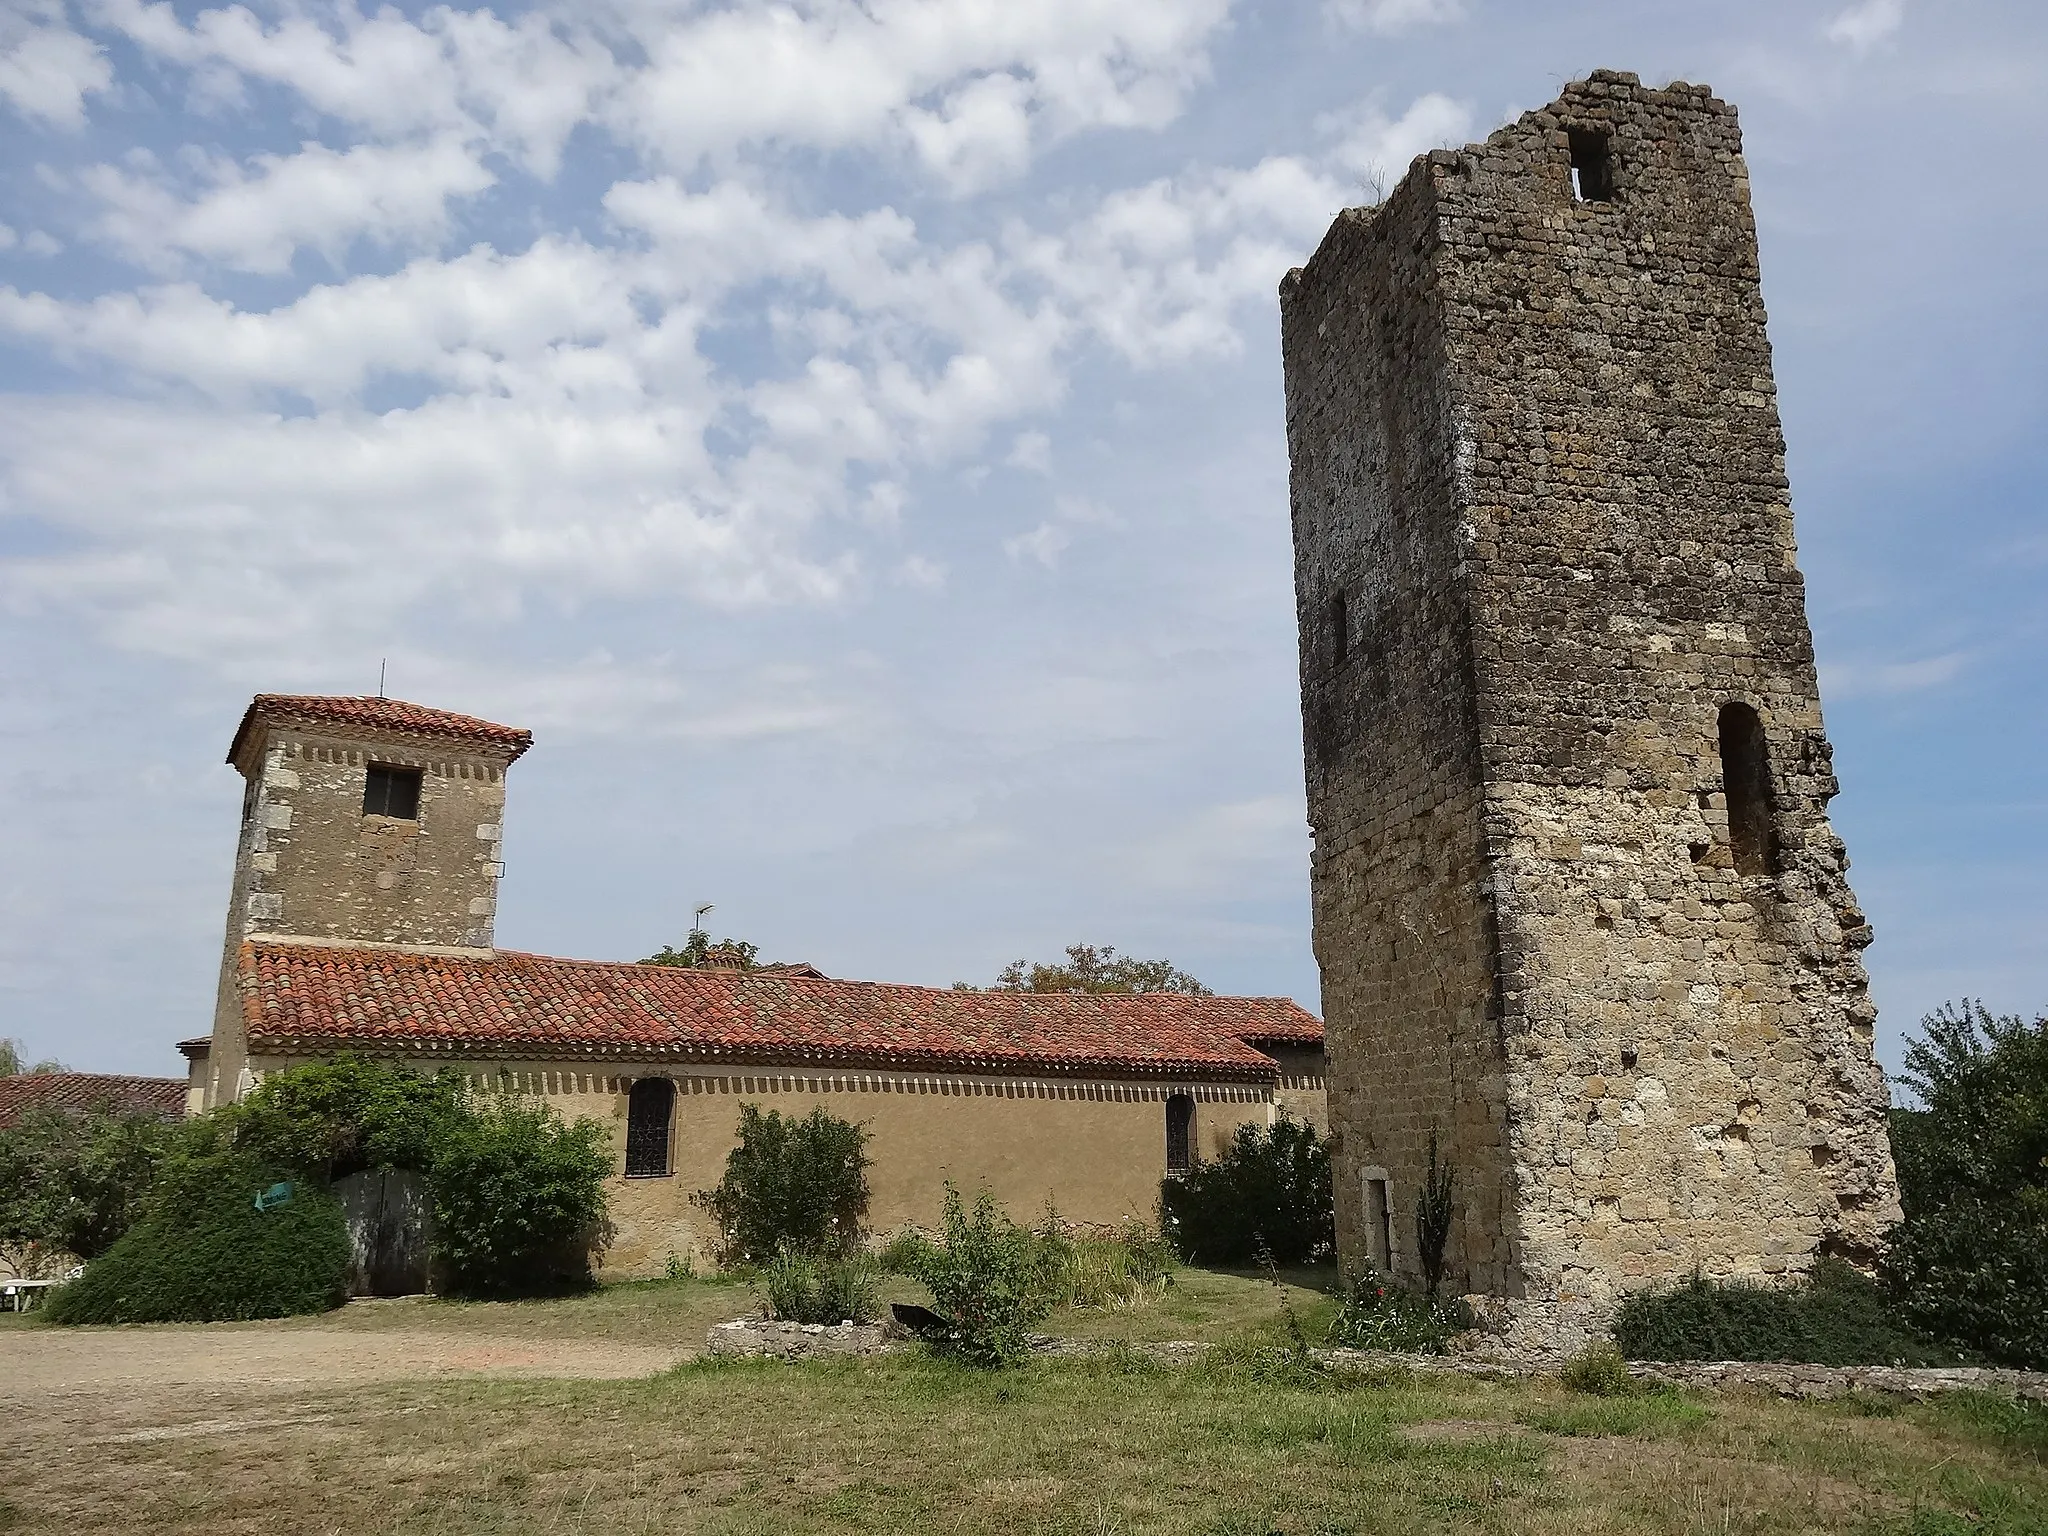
1116	1443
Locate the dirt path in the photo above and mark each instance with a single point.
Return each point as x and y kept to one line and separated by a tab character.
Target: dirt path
41	1363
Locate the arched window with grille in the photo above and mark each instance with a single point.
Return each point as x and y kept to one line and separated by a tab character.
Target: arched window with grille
1180	1133
649	1108
1746	784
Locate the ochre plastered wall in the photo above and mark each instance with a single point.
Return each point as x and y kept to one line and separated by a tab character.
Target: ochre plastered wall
1537	457
1096	1150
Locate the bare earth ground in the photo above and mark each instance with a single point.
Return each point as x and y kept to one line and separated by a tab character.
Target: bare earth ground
437	1419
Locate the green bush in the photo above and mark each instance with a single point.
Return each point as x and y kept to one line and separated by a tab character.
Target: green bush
74	1183
329	1119
519	1203
803	1182
808	1288
1977	1273
988	1281
1268	1195
1131	1268
1375	1313
1839	1317
204	1253
1970	1260
906	1252
1600	1370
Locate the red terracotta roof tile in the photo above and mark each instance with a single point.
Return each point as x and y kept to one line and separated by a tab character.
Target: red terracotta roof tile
303	997
77	1092
379	714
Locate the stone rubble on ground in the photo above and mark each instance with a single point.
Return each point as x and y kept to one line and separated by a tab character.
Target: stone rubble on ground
754	1338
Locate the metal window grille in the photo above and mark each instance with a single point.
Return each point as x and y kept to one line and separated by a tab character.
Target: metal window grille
392	792
648	1110
1180	1133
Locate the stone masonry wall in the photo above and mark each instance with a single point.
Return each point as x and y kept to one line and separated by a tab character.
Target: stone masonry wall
1685	1035
310	864
1391	744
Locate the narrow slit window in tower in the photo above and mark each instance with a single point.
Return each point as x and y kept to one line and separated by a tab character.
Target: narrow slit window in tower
1180	1133
1746	782
392	792
1340	628
649	1108
1592	166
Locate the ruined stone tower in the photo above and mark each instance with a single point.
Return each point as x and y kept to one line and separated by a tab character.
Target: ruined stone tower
1578	906
364	821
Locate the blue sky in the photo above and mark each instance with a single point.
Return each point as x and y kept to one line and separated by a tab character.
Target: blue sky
850	438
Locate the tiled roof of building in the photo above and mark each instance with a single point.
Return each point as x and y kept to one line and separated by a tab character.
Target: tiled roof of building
77	1092
364	711
305	998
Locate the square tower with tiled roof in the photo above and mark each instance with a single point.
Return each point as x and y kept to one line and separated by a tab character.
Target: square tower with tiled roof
364	821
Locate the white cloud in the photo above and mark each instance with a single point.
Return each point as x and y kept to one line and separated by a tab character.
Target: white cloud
1862	679
969	86
1045	543
1864	25
317	198
1221	847
925	575
1377	149
1031	451
46	69
1392	16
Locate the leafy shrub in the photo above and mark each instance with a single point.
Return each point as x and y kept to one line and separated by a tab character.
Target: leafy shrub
204	1253
1375	1313
988	1281
807	1288
519	1203
906	1252
1434	1208
1600	1370
803	1182
1977	1273
1970	1260
1131	1268
329	1119
1269	1191
73	1183
1839	1317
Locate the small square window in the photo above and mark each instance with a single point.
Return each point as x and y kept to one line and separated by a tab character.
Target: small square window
1592	165
392	792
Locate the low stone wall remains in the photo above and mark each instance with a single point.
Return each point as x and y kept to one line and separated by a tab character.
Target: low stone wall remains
753	1338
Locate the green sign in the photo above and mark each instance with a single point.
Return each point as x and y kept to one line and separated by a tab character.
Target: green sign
271	1198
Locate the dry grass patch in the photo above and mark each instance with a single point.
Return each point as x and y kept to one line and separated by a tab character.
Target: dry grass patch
1071	1446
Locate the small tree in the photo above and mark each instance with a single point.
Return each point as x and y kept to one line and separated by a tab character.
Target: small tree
801	1183
1269	1192
1970	1260
988	1280
698	951
76	1182
1089	969
13	1063
519	1202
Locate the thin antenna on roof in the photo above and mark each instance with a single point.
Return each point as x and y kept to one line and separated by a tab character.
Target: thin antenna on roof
380	677
697	915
